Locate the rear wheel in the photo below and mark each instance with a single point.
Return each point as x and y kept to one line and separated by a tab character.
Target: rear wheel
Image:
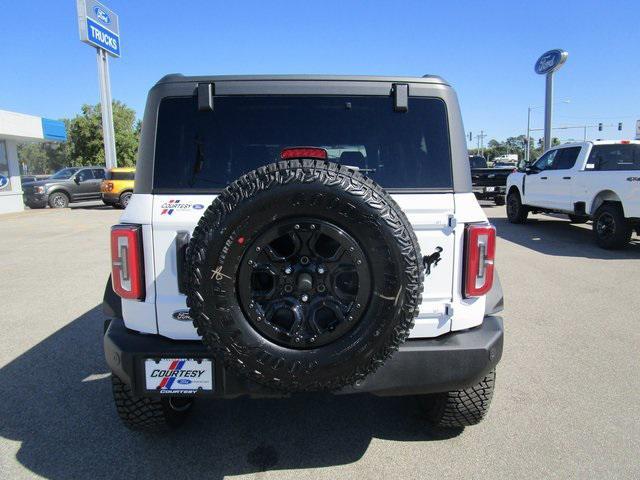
124	200
610	228
462	408
148	414
516	211
58	200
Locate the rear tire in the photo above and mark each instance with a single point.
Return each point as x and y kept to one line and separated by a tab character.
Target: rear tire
578	218
610	229
58	200
124	200
462	408
516	211
148	414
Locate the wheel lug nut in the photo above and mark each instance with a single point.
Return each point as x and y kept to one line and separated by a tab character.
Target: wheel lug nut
297	227
258	249
304	297
359	262
313	227
320	270
287	270
351	249
350	318
288	288
304	260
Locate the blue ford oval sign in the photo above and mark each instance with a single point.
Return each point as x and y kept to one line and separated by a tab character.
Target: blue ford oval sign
4	181
550	61
102	15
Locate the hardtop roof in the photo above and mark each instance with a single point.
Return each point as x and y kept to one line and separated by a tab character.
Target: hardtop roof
180	78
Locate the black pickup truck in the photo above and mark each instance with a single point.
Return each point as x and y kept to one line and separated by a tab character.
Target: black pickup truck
489	183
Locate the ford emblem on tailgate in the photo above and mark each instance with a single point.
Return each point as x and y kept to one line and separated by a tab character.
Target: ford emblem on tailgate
102	15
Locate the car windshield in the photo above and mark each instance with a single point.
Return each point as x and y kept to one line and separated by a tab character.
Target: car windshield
504	164
209	150
64	174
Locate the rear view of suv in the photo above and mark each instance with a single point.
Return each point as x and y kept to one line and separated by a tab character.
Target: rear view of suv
301	234
117	187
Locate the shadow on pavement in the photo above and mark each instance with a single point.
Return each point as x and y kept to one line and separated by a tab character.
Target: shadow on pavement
553	236
57	402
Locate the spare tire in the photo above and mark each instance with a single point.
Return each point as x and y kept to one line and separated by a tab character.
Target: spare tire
305	274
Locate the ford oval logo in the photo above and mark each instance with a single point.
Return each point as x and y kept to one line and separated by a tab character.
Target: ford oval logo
184	381
102	15
550	61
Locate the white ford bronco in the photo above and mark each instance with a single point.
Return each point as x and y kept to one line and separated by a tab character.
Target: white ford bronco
302	233
598	181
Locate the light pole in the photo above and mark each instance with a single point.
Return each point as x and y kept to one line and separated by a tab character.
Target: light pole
527	151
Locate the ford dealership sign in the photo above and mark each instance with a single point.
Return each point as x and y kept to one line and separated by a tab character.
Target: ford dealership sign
550	61
99	26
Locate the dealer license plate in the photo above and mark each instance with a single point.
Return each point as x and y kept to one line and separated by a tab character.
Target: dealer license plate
490	189
178	375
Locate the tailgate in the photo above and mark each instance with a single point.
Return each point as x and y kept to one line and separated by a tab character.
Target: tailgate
430	215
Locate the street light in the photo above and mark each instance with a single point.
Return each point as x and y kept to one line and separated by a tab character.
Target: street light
527	151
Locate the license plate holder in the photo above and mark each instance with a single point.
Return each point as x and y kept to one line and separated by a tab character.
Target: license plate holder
179	375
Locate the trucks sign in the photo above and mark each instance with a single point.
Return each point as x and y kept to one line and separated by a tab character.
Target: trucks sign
99	26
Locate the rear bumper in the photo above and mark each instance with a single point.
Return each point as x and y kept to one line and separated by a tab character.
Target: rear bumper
452	361
111	197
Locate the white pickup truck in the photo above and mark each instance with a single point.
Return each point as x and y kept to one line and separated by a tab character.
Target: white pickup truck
598	181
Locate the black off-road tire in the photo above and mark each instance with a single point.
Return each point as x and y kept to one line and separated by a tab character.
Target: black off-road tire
516	211
499	200
322	192
462	408
58	200
148	414
619	233
578	218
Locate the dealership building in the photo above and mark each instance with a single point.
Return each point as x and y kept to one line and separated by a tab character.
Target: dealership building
18	128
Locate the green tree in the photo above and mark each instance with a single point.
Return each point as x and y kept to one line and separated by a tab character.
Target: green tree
85	135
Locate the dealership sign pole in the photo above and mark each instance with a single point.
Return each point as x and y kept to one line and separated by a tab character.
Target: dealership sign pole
99	27
547	64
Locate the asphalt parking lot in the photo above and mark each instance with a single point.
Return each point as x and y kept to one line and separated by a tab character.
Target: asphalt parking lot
566	405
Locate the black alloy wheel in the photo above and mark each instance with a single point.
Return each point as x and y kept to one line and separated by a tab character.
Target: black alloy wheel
303	282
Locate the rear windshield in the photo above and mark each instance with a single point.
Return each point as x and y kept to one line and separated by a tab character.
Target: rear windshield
477	161
208	150
615	157
121	175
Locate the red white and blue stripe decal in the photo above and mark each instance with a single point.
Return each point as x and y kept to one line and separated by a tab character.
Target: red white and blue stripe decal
166	382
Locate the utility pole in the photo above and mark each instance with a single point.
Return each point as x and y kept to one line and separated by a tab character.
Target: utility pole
480	138
528	150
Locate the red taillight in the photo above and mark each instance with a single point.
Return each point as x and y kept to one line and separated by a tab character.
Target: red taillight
303	152
625	142
127	270
480	251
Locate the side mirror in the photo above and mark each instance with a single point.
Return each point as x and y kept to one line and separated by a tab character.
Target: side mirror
76	179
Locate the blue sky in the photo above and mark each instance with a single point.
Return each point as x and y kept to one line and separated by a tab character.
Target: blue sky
485	49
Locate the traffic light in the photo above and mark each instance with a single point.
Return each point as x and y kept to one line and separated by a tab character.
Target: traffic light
620	126
599	127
